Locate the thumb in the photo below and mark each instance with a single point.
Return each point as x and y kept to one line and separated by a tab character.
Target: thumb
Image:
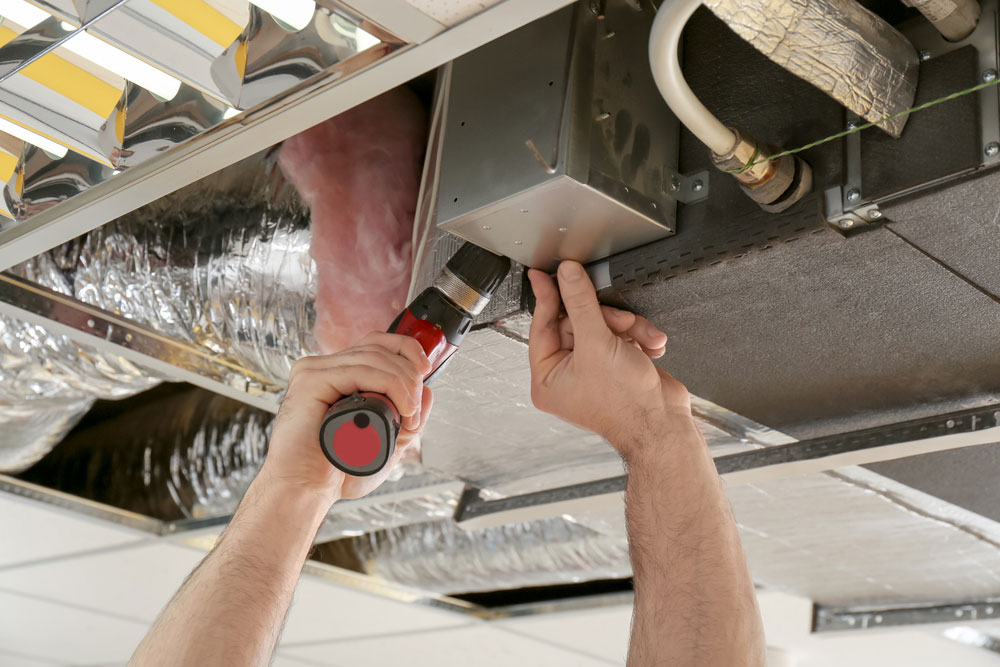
580	298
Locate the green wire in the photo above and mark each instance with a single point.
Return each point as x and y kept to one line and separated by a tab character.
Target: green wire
926	105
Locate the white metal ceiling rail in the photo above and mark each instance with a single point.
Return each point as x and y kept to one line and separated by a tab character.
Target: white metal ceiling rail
258	129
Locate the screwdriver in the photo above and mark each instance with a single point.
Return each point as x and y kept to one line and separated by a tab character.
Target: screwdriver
359	432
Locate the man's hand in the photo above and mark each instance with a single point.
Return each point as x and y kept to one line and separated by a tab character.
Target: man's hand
592	366
386	363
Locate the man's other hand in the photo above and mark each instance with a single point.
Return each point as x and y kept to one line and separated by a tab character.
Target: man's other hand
592	367
385	363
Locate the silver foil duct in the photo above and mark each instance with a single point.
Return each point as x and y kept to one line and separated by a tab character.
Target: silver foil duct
443	558
189	455
223	263
954	19
837	45
48	382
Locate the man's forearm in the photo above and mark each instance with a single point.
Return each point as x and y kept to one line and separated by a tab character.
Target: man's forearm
232	607
694	599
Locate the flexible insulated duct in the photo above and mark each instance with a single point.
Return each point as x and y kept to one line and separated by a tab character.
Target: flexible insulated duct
227	264
48	382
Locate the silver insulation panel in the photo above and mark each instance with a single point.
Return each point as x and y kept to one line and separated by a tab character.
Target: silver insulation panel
857	538
837	45
486	431
850	537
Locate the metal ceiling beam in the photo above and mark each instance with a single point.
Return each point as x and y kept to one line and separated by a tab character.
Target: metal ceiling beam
979	426
118	336
256	130
846	619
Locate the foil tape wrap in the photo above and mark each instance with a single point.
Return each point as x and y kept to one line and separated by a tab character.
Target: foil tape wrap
954	19
837	45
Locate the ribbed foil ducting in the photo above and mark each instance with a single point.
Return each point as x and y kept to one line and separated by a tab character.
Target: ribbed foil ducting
48	382
188	455
223	263
443	558
838	46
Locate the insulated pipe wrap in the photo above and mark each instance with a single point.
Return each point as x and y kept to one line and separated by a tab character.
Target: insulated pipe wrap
954	19
838	46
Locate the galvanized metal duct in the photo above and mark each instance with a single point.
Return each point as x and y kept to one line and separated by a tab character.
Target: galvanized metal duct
838	46
954	19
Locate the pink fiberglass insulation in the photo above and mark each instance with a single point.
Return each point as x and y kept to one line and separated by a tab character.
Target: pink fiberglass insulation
359	172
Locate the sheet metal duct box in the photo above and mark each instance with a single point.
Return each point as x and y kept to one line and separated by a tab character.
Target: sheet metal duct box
557	144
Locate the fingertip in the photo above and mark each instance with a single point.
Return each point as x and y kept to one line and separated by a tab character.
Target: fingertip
570	270
658	352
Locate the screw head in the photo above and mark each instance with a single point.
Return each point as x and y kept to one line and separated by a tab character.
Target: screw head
853	195
846	223
989	75
925	55
487	228
874	214
518	242
675	184
564	229
992	149
852	124
91	324
698	186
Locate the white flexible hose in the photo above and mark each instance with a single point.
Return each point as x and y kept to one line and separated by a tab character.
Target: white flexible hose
664	60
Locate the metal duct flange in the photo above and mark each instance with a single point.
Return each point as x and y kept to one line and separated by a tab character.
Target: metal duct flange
774	184
838	46
954	19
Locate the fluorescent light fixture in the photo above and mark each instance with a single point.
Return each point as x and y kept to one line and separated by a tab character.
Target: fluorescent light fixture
23	13
364	40
47	145
296	14
127	66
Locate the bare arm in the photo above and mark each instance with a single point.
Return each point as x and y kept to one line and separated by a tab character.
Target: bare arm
694	598
232	607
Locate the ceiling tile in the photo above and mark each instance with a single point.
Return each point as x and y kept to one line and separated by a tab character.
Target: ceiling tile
460	647
600	632
8	659
64	635
134	582
323	610
33	530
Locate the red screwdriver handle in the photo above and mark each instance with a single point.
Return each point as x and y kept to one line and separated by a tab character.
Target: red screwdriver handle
359	432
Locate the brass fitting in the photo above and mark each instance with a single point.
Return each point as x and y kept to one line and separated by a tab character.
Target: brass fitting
774	184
